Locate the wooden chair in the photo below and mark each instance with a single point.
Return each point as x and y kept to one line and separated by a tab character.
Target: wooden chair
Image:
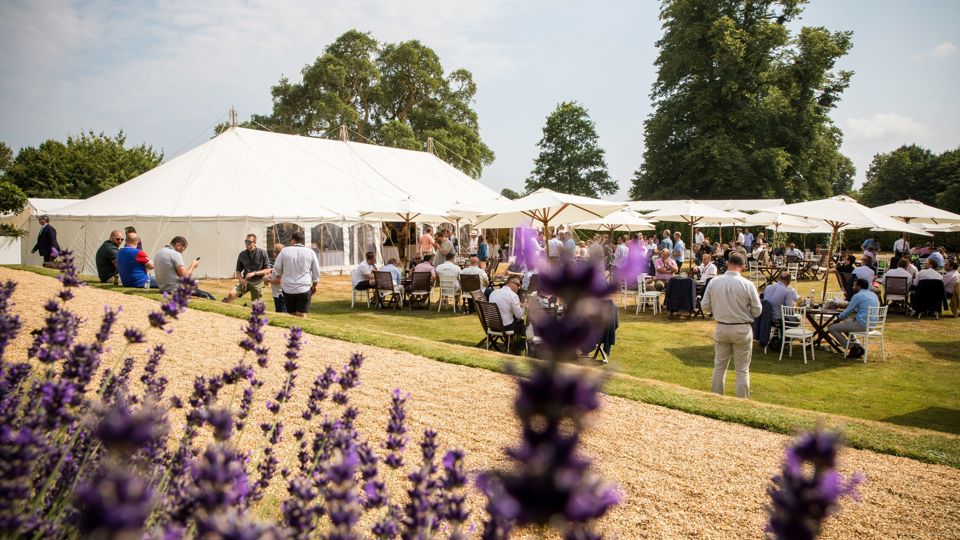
388	294
469	283
492	264
421	286
845	279
500	274
895	291
497	332
699	310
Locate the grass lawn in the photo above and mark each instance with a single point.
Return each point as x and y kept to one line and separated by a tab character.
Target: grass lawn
883	402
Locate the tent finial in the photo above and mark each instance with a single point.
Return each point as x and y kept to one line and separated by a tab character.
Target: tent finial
232	114
430	145
344	136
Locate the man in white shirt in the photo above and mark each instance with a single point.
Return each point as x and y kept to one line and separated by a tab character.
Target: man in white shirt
621	255
508	302
793	251
698	238
299	272
556	247
475	270
899	272
901	246
362	276
706	269
474	242
449	269
930	271
734	302
950	280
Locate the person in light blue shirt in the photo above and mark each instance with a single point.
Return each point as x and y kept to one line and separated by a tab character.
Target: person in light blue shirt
678	249
748	241
395	272
937	257
666	243
863	299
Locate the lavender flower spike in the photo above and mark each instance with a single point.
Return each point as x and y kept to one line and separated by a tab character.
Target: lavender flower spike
808	488
396	431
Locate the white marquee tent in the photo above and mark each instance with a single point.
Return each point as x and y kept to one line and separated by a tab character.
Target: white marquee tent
248	181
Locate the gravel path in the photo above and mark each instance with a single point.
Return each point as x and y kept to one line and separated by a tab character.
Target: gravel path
683	476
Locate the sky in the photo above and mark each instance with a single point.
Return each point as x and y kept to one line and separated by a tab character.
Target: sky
166	71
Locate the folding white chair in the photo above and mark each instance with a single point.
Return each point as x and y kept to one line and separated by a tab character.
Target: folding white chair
645	297
756	276
794	269
876	321
448	291
355	293
792	329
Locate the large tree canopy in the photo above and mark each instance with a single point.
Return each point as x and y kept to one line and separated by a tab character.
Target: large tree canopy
81	167
570	159
741	105
913	172
394	94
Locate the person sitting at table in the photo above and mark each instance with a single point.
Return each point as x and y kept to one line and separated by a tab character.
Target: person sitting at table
581	252
938	257
793	251
930	271
848	265
525	278
361	279
706	270
899	272
923	251
861	302
761	239
508	303
426	265
950	280
759	253
664	269
475	270
781	294
912	268
780	250
394	270
450	269
865	270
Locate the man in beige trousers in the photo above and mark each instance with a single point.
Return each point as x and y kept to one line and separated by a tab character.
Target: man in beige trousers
734	302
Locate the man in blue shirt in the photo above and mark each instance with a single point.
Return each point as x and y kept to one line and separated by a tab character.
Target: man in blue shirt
937	257
863	299
748	241
666	243
678	249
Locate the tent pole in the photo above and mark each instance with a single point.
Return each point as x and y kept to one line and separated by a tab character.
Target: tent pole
826	276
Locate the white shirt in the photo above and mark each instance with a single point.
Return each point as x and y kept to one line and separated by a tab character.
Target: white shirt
476	271
950	280
732	299
556	246
793	252
298	269
706	272
901	245
864	272
898	272
474	241
448	269
620	256
698	238
508	303
912	270
740	238
361	273
929	273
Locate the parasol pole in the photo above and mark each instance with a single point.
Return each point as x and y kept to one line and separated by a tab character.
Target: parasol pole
826	275
691	245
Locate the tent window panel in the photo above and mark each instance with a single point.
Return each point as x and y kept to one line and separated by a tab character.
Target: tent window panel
281	233
363	238
328	242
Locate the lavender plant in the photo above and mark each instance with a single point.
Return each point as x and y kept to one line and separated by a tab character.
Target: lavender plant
551	483
809	488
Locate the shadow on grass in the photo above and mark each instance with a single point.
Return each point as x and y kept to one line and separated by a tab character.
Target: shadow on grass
702	356
942	350
935	418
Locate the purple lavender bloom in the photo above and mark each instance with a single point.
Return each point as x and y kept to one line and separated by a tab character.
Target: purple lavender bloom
246	402
343	506
221	420
10	325
299	511
453	505
173	304
106	324
114	503
575	280
254	328
387	527
319	392
527	249
396	430
808	489
52	342
68	270
234	524
219	478
124	431
58	398
19	452
133	335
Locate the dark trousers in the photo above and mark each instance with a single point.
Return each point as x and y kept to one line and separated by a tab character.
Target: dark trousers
279	305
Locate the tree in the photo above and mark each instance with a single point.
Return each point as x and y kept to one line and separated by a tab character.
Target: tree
82	167
394	94
914	172
6	158
741	106
570	159
12	201
510	194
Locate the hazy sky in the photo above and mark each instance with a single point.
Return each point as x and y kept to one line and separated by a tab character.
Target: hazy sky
165	71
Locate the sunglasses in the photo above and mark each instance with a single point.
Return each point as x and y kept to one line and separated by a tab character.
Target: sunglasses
248	242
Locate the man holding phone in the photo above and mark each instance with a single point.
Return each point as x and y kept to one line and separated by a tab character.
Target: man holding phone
169	267
252	265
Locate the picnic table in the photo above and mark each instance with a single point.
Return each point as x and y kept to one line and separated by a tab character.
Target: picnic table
806	268
771	273
820	318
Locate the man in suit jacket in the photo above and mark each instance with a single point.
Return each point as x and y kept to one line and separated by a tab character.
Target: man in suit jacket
46	240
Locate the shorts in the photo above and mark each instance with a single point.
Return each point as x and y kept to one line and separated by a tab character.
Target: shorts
363	286
254	288
297	303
